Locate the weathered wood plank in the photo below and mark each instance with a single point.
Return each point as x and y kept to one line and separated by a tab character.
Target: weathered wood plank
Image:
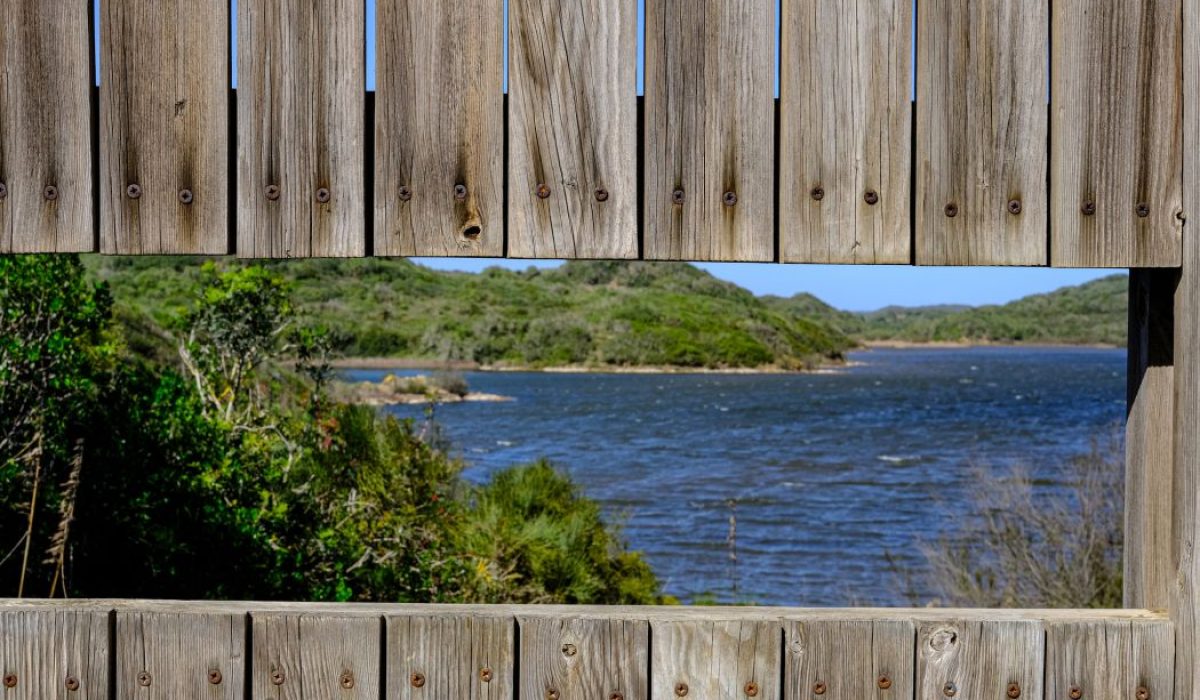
439	128
315	657
180	655
45	128
845	132
981	660
301	121
580	659
1116	134
1149	438
981	132
848	660
709	130
572	163
715	659
1105	660
54	654
450	656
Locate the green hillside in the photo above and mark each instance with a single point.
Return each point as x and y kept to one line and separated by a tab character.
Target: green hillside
599	314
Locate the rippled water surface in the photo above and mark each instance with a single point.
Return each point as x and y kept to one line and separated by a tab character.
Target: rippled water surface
827	472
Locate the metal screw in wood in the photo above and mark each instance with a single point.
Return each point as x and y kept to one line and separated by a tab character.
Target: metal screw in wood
214	676
1075	693
72	683
346	680
1014	690
185	197
272	192
1014	207
1143	210
1143	693
729	199
417	680
323	195
681	690
601	195
460	192
883	682
751	689
277	677
949	690
678	196
10	680
133	191
871	197
1088	208
819	688
817	193
485	674
951	210
543	190
3	190
405	193
50	193
144	679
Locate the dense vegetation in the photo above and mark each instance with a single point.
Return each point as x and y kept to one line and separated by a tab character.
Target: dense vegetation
176	454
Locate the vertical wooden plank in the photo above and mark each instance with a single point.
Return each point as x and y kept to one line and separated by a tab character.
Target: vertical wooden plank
709	130
584	659
1116	134
572	165
164	127
849	660
845	131
439	128
715	660
54	654
301	107
45	128
981	132
1111	659
979	659
180	655
315	657
450	656
1149	438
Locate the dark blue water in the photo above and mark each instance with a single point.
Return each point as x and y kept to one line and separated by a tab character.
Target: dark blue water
827	472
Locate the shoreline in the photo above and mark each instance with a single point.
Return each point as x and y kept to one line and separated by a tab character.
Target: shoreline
968	344
395	363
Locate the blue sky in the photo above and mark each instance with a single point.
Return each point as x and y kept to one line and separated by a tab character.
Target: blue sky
848	287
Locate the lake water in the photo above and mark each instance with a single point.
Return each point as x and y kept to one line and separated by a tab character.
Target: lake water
827	472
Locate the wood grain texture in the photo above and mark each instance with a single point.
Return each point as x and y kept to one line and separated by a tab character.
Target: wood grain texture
715	659
583	659
977	660
301	122
845	131
42	651
1149	438
439	124
573	128
45	128
163	656
848	660
465	657
309	657
709	130
164	126
1106	660
981	132
1116	134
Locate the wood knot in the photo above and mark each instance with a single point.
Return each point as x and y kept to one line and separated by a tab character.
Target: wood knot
943	638
569	650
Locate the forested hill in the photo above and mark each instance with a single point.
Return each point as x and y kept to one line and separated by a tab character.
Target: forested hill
1089	314
608	314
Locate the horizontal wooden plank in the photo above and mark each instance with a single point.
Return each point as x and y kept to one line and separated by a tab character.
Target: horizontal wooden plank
46	150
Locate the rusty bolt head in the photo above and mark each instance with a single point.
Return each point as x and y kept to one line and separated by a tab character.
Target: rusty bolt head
1075	693
817	193
3	190
569	650
72	683
273	192
460	192
10	680
678	196
1143	210
1143	693
751	689
729	199
277	677
1014	207
819	688
543	190
1088	208
615	695
883	682
133	191
949	690
1014	690
144	679
485	674
681	690
417	680
871	197
551	694
323	195
50	192
951	210
186	196
405	193
346	680
601	195
214	676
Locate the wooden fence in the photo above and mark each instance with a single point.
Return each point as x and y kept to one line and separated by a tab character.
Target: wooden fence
842	167
133	649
